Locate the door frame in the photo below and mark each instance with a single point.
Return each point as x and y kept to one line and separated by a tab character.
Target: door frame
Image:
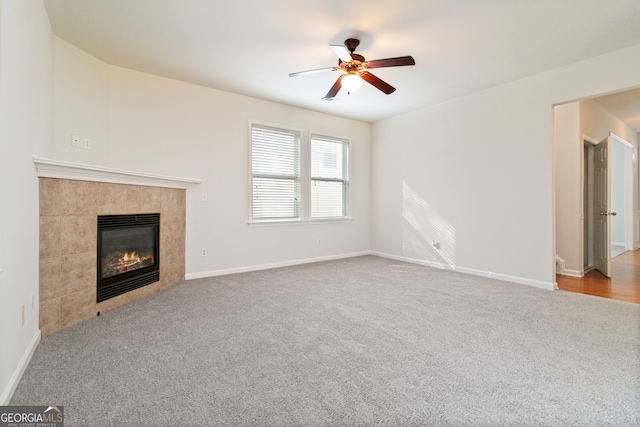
628	191
586	194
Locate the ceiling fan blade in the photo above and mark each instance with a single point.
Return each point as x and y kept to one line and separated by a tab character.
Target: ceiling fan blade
377	82
391	62
317	70
334	89
342	52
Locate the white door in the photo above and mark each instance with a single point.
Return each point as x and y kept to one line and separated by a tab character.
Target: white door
602	206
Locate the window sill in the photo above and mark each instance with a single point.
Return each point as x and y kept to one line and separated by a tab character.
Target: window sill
298	222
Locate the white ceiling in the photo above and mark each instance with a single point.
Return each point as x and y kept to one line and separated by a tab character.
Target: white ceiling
249	46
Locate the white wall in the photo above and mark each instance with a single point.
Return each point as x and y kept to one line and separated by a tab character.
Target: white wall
26	51
81	105
596	122
476	173
151	124
568	172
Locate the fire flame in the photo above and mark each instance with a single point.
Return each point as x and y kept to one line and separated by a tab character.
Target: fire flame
133	256
130	258
122	262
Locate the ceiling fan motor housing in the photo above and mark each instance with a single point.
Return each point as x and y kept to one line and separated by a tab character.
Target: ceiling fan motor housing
356	60
351	44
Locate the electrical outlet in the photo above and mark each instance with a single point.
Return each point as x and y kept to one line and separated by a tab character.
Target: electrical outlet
87	143
318	242
204	252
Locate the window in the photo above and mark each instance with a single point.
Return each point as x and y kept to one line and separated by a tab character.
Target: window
275	173
286	188
329	177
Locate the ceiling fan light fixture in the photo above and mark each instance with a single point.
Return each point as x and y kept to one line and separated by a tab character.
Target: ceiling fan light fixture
351	82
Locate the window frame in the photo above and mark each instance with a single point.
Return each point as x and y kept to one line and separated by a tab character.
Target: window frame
346	171
300	184
305	181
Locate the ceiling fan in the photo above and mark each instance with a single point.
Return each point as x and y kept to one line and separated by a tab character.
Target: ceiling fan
355	69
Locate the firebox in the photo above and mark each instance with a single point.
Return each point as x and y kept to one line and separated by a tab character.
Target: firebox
128	253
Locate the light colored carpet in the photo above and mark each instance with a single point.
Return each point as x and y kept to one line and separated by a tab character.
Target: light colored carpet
361	341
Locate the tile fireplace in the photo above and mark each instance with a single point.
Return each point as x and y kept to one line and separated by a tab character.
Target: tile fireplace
73	198
69	215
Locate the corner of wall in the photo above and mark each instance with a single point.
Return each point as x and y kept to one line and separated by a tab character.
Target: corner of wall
7	393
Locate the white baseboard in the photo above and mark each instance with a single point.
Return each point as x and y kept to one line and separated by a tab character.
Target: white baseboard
559	265
560	269
474	272
572	273
246	269
471	271
7	394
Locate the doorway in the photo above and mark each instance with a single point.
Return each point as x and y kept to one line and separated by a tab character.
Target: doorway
615	213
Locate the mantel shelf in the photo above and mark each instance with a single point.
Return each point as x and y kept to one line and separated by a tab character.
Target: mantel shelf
48	168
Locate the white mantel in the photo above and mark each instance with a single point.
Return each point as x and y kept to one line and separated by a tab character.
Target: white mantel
48	168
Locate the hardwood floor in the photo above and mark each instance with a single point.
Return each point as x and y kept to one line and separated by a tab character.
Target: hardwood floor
623	285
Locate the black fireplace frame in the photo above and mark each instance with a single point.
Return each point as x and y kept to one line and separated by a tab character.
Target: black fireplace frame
125	282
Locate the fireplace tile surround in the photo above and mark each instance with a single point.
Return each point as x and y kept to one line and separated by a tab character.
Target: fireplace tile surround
68	230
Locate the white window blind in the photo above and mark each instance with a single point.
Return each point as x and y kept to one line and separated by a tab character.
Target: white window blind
329	177
275	171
